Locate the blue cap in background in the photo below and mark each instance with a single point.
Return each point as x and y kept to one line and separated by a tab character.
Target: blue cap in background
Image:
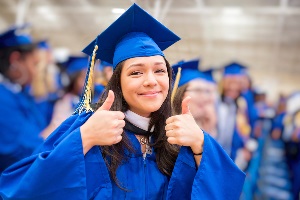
14	37
189	71
235	68
76	63
43	44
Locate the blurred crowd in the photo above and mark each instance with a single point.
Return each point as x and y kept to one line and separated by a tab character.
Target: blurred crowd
39	90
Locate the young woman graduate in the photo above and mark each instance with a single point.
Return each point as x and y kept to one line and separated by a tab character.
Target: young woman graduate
129	147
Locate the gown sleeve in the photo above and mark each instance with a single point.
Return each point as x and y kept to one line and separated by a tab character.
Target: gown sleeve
56	171
216	178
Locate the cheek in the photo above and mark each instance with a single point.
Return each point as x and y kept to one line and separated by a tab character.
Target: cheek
128	90
164	82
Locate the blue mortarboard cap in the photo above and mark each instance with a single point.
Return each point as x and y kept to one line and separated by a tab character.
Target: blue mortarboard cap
43	45
192	64
209	75
75	64
13	37
189	71
235	69
133	34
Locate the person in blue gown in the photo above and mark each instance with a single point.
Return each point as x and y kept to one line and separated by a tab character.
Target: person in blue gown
21	121
248	94
44	88
229	135
131	147
75	68
234	127
278	120
291	136
203	91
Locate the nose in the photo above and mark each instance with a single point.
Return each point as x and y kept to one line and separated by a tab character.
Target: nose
150	80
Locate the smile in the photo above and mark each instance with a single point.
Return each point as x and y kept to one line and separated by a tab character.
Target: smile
150	94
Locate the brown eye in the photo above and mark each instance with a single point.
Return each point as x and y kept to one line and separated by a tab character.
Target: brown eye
135	73
160	71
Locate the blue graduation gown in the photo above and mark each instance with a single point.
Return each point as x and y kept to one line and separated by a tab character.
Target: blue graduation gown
46	105
20	123
228	134
237	143
278	121
251	110
59	170
98	90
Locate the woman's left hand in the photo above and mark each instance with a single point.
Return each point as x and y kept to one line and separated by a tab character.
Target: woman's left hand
183	130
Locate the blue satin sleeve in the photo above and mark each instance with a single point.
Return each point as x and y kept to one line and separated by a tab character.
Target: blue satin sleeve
216	178
55	171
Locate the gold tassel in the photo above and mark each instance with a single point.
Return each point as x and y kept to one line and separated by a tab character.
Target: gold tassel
86	99
178	75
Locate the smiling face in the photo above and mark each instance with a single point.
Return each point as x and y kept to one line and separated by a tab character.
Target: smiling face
145	84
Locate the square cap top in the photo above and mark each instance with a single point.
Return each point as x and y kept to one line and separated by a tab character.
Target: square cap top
134	34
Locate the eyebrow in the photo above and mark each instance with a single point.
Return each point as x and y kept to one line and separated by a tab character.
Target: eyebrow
143	65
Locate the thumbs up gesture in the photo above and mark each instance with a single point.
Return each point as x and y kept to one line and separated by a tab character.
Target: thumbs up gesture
183	130
104	127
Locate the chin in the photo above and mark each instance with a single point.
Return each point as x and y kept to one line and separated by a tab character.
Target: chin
153	108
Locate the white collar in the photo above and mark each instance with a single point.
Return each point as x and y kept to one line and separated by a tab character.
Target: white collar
14	87
137	120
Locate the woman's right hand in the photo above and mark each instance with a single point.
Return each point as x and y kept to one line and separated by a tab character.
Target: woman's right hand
104	127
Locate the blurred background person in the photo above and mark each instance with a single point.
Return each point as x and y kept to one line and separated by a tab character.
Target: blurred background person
196	84
45	87
229	134
75	68
21	121
278	120
291	136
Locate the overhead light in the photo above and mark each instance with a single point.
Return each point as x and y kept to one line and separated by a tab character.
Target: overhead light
232	11
118	10
46	12
43	10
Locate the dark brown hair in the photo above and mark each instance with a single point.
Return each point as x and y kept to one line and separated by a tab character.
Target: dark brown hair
6	52
177	101
166	153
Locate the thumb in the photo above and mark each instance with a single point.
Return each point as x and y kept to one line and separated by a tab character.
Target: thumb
108	101
185	105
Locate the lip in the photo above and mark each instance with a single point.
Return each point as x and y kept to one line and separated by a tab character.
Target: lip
149	93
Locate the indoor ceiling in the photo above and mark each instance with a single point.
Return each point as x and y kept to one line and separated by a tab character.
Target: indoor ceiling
263	34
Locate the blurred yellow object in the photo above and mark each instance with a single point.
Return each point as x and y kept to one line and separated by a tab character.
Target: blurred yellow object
242	123
178	75
39	84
